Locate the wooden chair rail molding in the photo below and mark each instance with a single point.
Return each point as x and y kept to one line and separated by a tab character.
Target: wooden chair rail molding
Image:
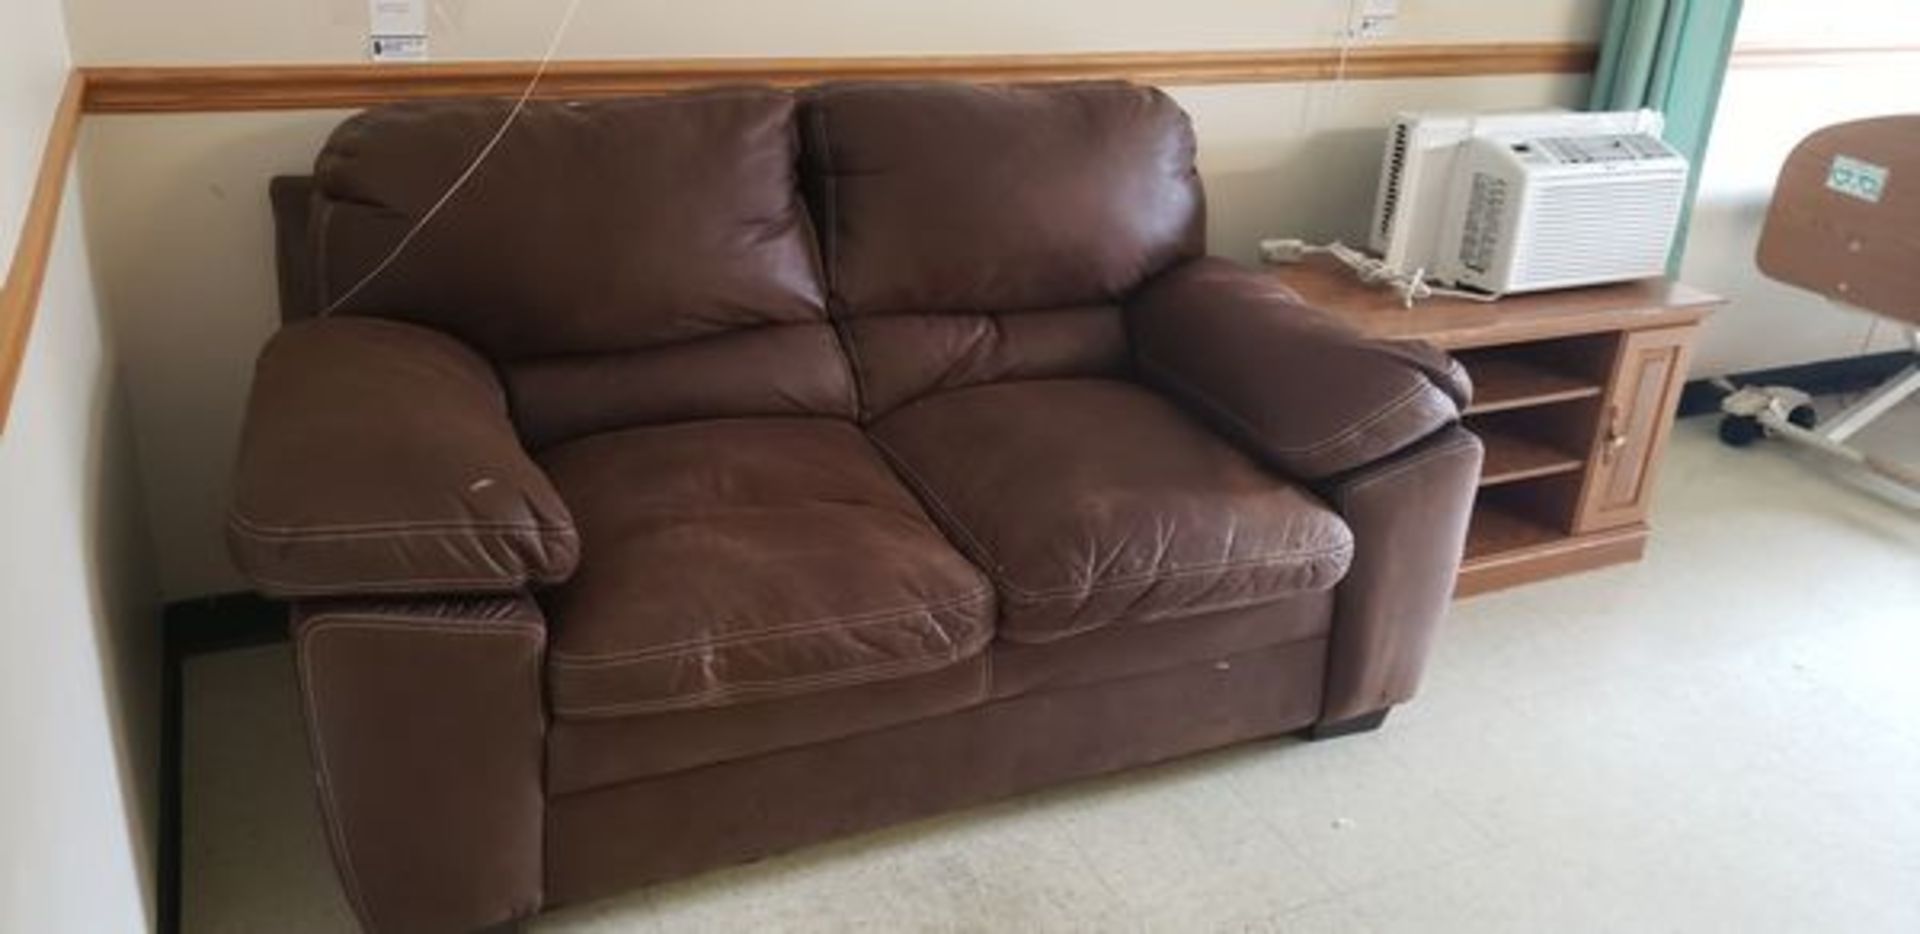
199	89
210	88
20	294
1839	56
176	89
281	87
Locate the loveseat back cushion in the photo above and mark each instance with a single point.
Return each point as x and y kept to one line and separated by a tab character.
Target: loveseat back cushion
609	235
797	370
903	357
981	204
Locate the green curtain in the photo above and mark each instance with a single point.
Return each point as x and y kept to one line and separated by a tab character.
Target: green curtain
1671	56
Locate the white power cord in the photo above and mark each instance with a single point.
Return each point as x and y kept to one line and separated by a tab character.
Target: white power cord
1412	286
460	181
1345	36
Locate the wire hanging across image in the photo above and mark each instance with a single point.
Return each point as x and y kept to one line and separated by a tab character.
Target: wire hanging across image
473	166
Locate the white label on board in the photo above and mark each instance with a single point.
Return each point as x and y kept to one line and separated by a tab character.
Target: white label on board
1857	178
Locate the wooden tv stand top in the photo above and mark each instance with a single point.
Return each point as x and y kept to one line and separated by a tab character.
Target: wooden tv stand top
1456	323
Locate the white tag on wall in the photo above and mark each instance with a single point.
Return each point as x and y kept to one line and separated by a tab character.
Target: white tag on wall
398	30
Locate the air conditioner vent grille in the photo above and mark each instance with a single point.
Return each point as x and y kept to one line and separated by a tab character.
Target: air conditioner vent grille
1486	222
1396	175
1593	232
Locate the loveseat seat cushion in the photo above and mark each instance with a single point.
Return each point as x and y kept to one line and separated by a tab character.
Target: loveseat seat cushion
1091	502
733	560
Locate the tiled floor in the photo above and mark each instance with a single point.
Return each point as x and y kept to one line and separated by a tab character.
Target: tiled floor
1725	737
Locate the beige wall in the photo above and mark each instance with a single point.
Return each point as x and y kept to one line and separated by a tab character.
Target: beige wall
1763	112
180	228
126	31
1835	23
79	658
182	241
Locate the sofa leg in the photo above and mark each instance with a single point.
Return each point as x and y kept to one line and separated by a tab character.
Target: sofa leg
1361	724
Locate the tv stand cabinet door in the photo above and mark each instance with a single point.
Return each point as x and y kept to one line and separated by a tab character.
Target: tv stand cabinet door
1643	395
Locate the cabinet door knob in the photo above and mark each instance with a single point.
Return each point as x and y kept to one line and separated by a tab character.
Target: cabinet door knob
1616	435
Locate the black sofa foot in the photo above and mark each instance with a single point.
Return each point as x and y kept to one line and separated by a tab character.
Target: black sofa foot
1361	724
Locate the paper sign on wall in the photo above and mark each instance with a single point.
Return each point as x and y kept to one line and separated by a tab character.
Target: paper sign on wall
399	30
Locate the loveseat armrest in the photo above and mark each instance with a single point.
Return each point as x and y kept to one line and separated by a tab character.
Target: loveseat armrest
1409	517
378	458
1296	385
428	728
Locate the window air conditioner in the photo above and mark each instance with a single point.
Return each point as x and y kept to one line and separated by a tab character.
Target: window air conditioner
1525	202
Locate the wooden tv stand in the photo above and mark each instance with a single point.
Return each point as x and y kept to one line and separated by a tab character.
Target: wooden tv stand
1574	395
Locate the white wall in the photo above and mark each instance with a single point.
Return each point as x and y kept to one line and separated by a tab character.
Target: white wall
181	232
204	31
1763	112
79	656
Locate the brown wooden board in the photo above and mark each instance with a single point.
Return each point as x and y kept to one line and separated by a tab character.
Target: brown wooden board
1459	323
1857	243
279	87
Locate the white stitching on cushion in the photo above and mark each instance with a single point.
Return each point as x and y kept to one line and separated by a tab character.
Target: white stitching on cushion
1261	561
255	529
686	646
411	585
1019	594
741	689
1226	413
1394	470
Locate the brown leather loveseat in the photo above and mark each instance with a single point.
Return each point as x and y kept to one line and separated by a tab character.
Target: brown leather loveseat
726	471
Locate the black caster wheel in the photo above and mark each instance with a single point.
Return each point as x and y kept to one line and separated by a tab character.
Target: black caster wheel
1738	431
1804	416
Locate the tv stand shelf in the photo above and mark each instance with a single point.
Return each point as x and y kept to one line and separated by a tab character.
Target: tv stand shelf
1511	381
1513	458
1574	397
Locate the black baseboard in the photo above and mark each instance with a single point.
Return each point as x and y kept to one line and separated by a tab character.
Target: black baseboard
189	628
1820	378
224	621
